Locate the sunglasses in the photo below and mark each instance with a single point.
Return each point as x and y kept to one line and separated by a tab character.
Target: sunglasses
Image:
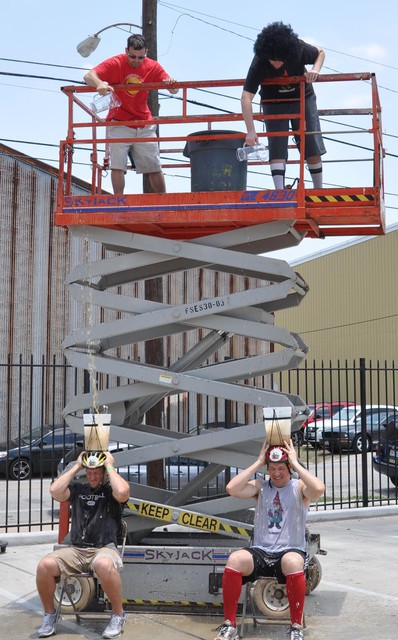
134	57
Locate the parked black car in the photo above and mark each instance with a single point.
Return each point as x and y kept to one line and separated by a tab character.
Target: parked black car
36	451
385	460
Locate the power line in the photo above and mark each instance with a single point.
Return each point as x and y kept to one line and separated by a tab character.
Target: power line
163	95
27	75
188	13
350	324
43	64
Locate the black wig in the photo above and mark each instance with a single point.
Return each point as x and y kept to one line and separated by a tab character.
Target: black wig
277	41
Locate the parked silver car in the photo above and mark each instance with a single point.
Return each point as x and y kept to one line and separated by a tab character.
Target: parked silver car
344	430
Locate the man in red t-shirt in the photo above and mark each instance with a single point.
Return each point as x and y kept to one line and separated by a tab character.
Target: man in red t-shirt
131	68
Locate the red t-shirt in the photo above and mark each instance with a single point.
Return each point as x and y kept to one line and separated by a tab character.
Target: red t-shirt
134	105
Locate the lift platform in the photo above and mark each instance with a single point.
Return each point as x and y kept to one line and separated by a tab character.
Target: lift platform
344	209
231	232
146	236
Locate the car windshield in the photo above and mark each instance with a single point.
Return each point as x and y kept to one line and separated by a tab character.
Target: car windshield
344	415
30	436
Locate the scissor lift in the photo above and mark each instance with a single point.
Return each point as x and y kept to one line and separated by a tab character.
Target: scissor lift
233	232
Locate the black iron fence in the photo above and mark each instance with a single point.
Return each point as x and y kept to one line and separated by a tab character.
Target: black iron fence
34	394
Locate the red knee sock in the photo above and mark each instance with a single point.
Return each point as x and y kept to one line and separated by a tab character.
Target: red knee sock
295	587
231	589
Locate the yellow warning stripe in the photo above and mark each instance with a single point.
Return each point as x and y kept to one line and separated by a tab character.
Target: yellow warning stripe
183	603
192	519
235	529
360	197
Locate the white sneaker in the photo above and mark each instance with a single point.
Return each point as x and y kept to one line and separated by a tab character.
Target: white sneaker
295	632
48	625
226	631
115	626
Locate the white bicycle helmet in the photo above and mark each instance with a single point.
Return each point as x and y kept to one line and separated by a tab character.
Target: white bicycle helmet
93	459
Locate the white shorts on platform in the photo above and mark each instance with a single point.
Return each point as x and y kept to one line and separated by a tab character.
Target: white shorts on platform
146	154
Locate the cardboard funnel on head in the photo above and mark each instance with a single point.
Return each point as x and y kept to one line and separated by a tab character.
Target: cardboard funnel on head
96	431
278	424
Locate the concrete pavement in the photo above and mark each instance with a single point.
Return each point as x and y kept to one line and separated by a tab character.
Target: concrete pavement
357	598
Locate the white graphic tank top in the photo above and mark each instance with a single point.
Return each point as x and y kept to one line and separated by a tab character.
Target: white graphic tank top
280	517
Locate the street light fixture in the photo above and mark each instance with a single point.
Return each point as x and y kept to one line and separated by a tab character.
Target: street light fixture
87	46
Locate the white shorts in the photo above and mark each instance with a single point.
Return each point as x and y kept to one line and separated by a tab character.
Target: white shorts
146	154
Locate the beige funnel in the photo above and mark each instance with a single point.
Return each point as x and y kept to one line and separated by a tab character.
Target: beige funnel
278	424
96	431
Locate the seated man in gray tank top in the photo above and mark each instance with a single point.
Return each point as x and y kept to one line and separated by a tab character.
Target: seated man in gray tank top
279	545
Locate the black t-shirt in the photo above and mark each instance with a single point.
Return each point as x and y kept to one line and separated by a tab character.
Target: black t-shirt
96	515
261	69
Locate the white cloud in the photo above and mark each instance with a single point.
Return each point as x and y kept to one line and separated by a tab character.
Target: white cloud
371	51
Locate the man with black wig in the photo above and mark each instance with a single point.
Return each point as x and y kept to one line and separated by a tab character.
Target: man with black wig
278	53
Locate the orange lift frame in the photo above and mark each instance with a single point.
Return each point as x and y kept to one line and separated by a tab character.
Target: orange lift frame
337	211
227	231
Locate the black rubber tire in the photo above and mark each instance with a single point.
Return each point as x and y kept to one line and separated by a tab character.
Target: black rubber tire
270	598
20	469
357	444
298	438
314	575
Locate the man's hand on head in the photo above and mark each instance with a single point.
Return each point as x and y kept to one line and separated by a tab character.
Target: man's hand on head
290	450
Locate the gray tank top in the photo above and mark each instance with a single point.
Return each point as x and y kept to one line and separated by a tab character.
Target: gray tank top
280	517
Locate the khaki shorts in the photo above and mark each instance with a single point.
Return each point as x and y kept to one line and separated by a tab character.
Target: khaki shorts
79	559
146	154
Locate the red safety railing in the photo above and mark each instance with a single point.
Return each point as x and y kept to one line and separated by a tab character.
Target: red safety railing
333	210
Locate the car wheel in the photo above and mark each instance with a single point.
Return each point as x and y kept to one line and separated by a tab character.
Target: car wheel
20	469
270	598
80	592
357	444
394	481
297	438
314	575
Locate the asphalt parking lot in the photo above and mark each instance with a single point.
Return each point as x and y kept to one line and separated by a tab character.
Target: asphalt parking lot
357	598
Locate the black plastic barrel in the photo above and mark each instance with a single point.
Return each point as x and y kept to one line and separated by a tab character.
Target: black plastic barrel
214	165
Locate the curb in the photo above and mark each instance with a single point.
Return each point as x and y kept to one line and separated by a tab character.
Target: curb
31	537
50	537
353	514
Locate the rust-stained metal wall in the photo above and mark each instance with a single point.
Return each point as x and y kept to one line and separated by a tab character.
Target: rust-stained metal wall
35	309
37	312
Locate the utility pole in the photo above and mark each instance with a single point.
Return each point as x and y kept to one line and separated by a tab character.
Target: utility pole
149	31
154	352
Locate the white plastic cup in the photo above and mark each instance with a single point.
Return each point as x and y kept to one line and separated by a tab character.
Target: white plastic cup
257	152
104	103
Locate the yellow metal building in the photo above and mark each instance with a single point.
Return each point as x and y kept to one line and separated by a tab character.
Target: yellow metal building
349	313
351	309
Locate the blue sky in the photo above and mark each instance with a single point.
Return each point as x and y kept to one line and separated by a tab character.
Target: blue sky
204	41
